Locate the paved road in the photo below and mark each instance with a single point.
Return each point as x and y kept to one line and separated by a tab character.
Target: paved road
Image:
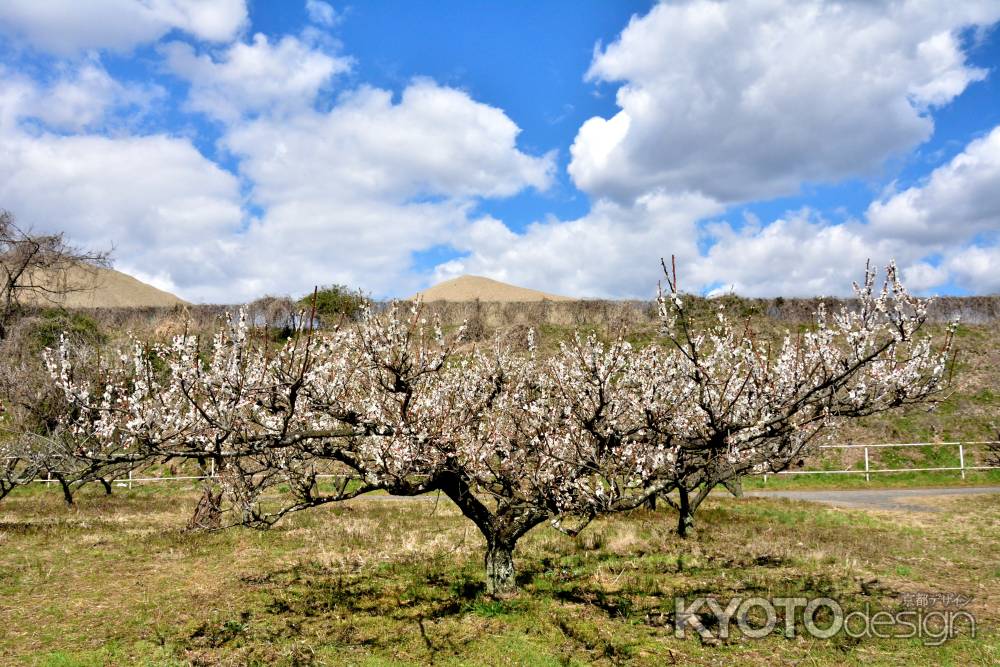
911	500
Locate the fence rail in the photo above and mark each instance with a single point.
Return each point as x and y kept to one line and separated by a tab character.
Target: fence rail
128	481
867	471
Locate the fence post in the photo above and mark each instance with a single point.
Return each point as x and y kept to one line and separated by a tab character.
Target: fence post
211	468
961	459
765	479
868	477
130	479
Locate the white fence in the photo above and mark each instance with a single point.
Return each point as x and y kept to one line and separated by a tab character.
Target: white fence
868	471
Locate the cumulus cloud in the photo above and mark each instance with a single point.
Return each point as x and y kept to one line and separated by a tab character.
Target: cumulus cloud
613	251
66	27
723	103
351	193
79	98
168	212
953	214
77	101
977	269
943	231
957	201
345	194
253	78
348	190
162	205
436	141
748	100
923	276
801	254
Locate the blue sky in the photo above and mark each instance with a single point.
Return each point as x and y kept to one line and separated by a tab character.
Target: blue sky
227	150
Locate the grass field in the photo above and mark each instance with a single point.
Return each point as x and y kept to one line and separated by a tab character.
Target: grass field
394	582
387	582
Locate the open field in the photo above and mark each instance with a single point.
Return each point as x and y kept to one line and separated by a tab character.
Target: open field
118	581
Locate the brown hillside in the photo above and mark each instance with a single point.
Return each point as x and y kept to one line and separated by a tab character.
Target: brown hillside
477	288
95	287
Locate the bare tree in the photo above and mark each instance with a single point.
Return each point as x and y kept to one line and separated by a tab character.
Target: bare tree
37	268
20	462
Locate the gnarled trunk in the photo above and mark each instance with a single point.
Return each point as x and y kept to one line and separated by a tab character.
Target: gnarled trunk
208	512
502	529
500	578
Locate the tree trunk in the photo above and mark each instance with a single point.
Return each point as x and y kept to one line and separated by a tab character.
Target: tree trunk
106	484
67	491
685	520
208	513
734	486
500	579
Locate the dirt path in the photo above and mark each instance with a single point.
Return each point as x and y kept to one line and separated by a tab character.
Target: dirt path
911	500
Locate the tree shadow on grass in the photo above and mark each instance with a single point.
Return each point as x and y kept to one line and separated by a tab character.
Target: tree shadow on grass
404	592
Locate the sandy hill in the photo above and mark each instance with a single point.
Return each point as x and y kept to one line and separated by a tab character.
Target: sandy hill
471	288
94	287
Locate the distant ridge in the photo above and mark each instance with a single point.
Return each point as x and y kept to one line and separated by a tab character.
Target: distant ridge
96	287
473	288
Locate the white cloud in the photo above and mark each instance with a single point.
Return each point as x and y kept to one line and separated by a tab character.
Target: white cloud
17	94
977	269
801	254
744	101
254	78
613	251
78	101
322	13
351	193
163	206
954	215
368	243
81	97
748	100
435	141
347	195
65	27
957	201
923	276
720	103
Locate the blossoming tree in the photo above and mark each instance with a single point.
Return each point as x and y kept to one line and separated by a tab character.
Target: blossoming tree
514	439
742	404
